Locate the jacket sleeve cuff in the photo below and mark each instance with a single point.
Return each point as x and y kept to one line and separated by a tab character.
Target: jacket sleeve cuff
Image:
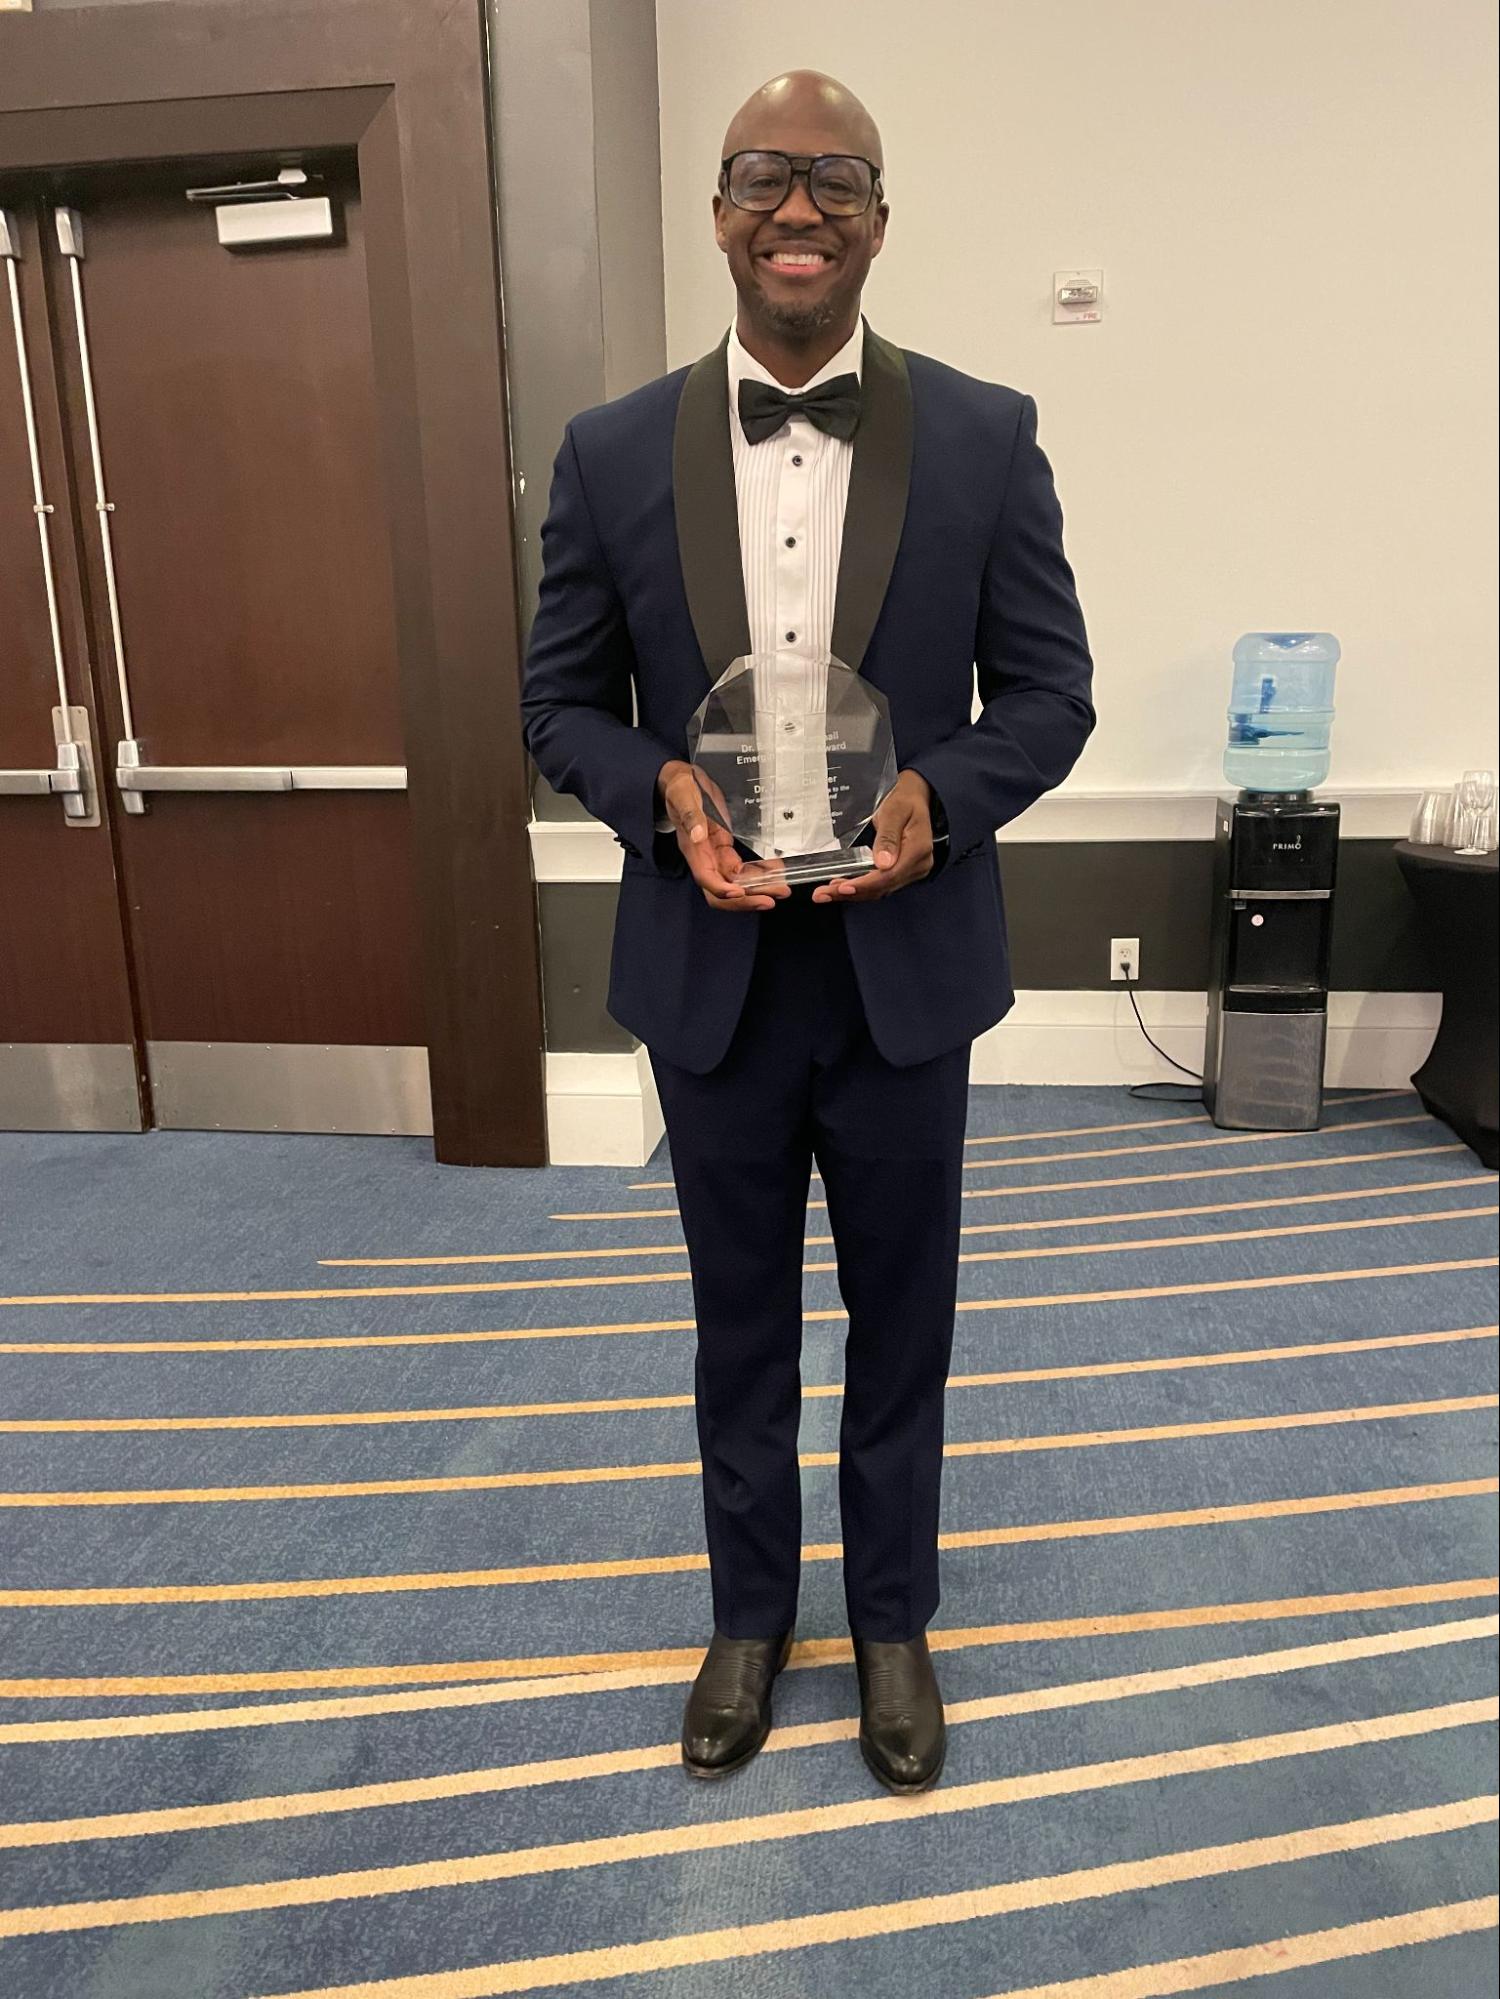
633	804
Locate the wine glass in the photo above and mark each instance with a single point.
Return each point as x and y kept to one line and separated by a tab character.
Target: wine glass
1476	794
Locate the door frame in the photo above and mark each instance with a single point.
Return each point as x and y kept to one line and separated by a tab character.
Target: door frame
406	84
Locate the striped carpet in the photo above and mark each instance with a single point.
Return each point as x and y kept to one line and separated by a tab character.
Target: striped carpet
352	1574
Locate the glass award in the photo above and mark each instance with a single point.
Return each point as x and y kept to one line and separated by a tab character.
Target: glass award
793	752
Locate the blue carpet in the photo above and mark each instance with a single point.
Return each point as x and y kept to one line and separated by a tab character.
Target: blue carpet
352	1576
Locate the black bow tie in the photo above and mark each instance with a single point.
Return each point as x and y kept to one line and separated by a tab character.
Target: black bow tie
833	407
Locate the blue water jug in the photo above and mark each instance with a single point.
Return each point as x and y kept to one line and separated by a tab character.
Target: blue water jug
1281	710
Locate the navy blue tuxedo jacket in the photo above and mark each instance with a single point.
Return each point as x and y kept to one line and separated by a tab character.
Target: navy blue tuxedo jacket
952	562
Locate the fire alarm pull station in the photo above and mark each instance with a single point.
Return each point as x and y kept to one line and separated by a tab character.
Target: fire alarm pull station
1077	297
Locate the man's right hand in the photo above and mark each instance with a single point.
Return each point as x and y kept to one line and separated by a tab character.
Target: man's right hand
708	848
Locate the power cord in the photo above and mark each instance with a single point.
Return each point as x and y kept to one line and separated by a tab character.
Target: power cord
1160	1093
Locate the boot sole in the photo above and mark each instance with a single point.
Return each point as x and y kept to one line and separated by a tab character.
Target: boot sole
708	1773
878	1772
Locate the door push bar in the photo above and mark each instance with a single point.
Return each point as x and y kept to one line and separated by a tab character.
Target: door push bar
135	778
64	784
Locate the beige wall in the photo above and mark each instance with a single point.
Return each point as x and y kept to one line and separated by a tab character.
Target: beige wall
1287	417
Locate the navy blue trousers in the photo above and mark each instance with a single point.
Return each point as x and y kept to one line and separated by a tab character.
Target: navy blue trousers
802	1081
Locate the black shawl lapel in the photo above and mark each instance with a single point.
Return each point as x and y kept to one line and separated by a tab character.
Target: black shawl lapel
708	528
879	480
708	520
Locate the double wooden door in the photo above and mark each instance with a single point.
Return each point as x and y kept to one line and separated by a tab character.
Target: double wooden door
206	893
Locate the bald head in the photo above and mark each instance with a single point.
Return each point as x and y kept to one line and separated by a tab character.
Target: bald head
804	106
799	268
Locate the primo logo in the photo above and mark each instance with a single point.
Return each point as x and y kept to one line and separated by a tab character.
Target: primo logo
1287	846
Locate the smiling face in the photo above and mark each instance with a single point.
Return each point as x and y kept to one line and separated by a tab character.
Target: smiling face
799	273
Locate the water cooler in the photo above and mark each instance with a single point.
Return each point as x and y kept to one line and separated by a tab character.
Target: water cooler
1275	858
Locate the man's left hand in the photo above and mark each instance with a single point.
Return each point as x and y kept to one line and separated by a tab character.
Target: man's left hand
903	845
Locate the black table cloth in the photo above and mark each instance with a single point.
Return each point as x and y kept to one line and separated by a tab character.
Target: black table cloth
1459	909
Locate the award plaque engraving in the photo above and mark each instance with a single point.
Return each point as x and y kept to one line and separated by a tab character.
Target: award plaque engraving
793	753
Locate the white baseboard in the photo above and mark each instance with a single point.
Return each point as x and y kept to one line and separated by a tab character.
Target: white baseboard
1375	1040
602	1110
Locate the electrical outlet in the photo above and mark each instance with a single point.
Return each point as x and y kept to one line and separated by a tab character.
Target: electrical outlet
1125	958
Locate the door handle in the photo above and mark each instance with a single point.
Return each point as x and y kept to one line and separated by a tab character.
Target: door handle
134	779
1281	894
73	778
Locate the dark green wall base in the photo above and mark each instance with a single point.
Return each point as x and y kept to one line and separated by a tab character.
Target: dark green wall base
1063	905
578	926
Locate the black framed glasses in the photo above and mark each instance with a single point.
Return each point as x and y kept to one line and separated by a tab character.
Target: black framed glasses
838	183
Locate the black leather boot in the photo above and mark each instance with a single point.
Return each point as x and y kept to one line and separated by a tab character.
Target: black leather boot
902	1735
728	1713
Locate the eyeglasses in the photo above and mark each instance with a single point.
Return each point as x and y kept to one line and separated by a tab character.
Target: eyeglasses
839	183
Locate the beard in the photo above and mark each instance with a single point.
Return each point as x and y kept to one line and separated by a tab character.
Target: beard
800	322
796	320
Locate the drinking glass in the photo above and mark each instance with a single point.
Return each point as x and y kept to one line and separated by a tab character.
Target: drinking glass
1476	794
1432	823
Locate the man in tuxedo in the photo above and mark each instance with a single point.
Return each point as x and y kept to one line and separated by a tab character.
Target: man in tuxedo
808	489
